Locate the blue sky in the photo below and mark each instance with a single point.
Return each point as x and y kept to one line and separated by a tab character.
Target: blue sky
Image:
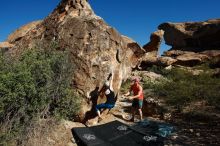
134	18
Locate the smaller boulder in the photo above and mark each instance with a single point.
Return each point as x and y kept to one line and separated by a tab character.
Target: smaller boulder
5	45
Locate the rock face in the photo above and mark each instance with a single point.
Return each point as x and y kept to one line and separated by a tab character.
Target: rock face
191	59
96	48
166	61
192	43
155	41
5	45
151	49
193	36
21	32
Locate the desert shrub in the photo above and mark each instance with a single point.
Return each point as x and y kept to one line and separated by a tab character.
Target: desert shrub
151	84
158	70
215	62
125	86
181	88
35	85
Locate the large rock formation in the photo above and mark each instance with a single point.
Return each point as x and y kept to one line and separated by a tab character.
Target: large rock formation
152	48
193	36
155	41
97	49
192	43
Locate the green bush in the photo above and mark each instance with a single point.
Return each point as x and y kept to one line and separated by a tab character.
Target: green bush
158	70
181	88
36	85
215	62
125	87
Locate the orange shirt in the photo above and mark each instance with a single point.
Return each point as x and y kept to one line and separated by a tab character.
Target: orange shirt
136	89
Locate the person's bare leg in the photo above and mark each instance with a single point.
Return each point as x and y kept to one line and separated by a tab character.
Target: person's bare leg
98	113
140	113
99	116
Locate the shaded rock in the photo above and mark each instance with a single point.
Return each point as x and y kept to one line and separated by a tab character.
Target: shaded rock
155	41
166	61
175	53
152	106
191	59
186	40
211	53
192	36
148	60
151	48
193	43
134	46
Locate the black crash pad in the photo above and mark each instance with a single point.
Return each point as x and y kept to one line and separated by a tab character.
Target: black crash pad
114	134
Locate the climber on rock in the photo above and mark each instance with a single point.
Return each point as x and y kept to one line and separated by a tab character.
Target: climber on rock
110	101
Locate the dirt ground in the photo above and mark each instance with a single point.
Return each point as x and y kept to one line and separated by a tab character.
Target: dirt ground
190	129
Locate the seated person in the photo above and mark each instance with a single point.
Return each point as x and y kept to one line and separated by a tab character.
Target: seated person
110	102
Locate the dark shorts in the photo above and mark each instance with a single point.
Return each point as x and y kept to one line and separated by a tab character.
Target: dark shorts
104	105
137	103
